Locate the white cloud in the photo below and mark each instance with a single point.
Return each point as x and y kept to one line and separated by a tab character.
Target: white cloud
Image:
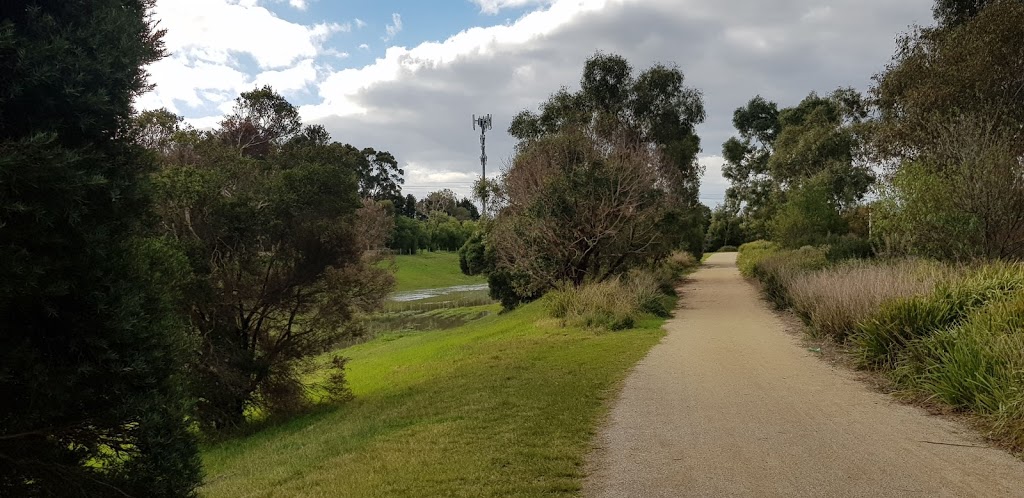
337	53
817	14
288	80
341	89
209	42
495	6
298	4
417	101
360	24
394	28
218	30
713	185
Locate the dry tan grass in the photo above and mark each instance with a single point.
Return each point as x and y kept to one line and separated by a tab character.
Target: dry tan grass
614	304
834	300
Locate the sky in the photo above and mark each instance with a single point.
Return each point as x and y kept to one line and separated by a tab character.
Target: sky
407	76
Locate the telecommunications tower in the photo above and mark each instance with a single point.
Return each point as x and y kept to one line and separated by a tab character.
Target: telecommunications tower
484	123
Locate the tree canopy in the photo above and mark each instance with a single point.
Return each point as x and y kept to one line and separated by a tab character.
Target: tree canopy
92	348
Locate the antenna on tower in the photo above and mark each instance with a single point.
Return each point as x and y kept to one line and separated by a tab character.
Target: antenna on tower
484	123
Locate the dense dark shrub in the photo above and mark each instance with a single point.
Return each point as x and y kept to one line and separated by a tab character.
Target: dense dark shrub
91	349
848	247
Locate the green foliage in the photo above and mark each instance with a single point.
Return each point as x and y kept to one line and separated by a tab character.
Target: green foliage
598	211
604	180
91	352
951	129
725	227
952	13
753	252
474	258
270	220
809	216
446	233
790	163
846	247
746	161
978	365
882	338
408	236
944	334
728	249
380	178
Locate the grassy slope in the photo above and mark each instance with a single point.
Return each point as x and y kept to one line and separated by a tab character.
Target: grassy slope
429	270
502	406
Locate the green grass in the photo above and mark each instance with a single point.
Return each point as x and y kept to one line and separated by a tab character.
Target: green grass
503	406
430	270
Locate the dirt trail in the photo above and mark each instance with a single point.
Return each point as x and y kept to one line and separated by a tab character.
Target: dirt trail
729	404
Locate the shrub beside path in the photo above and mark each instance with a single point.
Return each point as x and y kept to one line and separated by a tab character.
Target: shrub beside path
729	404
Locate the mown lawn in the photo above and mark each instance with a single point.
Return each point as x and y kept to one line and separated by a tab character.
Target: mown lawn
429	270
503	406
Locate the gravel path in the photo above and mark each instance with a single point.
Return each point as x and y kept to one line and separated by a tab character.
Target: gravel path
729	404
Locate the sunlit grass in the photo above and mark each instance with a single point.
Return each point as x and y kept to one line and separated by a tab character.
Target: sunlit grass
431	270
504	406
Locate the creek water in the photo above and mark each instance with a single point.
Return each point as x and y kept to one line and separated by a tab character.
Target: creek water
418	294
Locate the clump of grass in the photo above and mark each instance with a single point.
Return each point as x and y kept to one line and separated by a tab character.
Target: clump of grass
833	301
753	252
682	261
614	304
670	270
776	271
976	366
881	338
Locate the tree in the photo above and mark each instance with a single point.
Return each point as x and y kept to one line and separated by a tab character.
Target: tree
951	135
261	120
474	258
409	207
578	210
821	138
655	108
380	178
818	140
809	216
746	163
442	201
726	227
281	256
467	210
375	223
488	192
407	235
157	129
604	180
91	353
952	13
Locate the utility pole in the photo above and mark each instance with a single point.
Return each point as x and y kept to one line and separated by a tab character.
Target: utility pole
484	123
